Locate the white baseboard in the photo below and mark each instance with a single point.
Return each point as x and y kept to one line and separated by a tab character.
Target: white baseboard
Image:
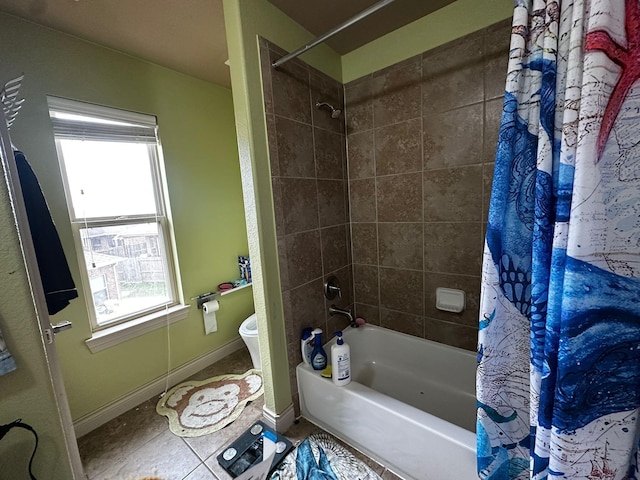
280	423
93	420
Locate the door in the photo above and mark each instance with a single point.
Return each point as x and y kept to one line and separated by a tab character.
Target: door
47	330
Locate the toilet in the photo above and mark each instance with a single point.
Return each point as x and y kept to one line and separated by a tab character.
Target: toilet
249	333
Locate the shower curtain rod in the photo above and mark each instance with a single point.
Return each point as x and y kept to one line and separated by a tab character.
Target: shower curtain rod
332	32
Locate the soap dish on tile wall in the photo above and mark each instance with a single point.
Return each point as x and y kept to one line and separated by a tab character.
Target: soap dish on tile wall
449	299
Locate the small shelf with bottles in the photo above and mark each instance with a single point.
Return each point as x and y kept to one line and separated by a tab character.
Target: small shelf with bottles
234	289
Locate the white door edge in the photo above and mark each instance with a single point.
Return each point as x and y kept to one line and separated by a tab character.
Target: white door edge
40	305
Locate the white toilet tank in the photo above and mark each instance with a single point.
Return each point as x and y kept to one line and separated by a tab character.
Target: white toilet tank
249	332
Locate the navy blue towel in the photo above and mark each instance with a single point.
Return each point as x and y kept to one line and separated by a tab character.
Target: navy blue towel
54	270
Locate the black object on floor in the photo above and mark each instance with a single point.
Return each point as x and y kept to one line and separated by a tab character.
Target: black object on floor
246	450
4	429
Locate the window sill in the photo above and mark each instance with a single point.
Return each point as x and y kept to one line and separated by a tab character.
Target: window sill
111	336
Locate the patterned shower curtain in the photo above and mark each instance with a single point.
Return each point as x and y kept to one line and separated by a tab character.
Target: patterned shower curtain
558	378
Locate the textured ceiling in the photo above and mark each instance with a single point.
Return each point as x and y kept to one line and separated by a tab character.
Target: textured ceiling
188	35
185	35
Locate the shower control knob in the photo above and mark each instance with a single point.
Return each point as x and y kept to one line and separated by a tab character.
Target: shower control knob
332	288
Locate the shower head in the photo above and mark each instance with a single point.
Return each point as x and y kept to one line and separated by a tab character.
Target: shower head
335	112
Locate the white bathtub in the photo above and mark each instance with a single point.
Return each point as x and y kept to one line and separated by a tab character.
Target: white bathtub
410	405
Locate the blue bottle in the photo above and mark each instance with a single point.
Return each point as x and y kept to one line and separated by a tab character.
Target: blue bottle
318	355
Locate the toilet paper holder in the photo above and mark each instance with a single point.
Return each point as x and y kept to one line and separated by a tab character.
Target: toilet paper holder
204	298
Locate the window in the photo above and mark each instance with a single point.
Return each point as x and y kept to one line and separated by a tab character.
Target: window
110	163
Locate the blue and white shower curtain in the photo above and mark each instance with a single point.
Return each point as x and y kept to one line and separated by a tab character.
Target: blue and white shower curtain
558	378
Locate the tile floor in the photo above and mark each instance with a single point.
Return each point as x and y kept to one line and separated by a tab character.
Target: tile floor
139	445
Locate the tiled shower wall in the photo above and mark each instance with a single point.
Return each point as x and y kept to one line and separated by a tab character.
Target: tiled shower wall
308	169
421	138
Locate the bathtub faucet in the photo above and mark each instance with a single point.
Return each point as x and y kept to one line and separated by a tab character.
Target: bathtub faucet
333	310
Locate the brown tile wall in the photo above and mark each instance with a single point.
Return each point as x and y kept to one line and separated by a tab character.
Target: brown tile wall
421	139
406	213
310	189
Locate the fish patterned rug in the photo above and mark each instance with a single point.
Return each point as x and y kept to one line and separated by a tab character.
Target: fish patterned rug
320	457
196	408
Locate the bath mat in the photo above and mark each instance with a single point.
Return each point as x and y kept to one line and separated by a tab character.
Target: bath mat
320	456
196	408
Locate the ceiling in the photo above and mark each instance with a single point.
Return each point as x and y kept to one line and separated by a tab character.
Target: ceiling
189	36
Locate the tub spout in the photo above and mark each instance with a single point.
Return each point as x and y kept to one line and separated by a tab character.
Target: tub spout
333	310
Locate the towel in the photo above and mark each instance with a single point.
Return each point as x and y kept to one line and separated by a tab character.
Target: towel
54	271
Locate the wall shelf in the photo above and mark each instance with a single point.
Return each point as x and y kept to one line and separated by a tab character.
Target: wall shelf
235	289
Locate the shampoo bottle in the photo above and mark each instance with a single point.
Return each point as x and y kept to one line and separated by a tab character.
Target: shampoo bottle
340	362
318	355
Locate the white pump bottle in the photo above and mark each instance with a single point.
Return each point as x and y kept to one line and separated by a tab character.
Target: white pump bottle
340	362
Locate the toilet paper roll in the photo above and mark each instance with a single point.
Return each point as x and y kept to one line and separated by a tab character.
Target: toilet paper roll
209	310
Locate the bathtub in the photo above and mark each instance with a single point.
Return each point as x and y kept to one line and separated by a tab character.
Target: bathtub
410	405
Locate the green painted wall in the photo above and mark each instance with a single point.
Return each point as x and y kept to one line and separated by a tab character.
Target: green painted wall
453	21
244	22
196	125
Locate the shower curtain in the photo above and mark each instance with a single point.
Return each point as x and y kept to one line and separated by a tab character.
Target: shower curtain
558	379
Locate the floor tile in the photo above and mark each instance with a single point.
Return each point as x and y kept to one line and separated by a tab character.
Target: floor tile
300	430
236	363
215	467
165	456
201	473
111	442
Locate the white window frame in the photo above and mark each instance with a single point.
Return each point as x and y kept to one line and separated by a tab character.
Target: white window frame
134	127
